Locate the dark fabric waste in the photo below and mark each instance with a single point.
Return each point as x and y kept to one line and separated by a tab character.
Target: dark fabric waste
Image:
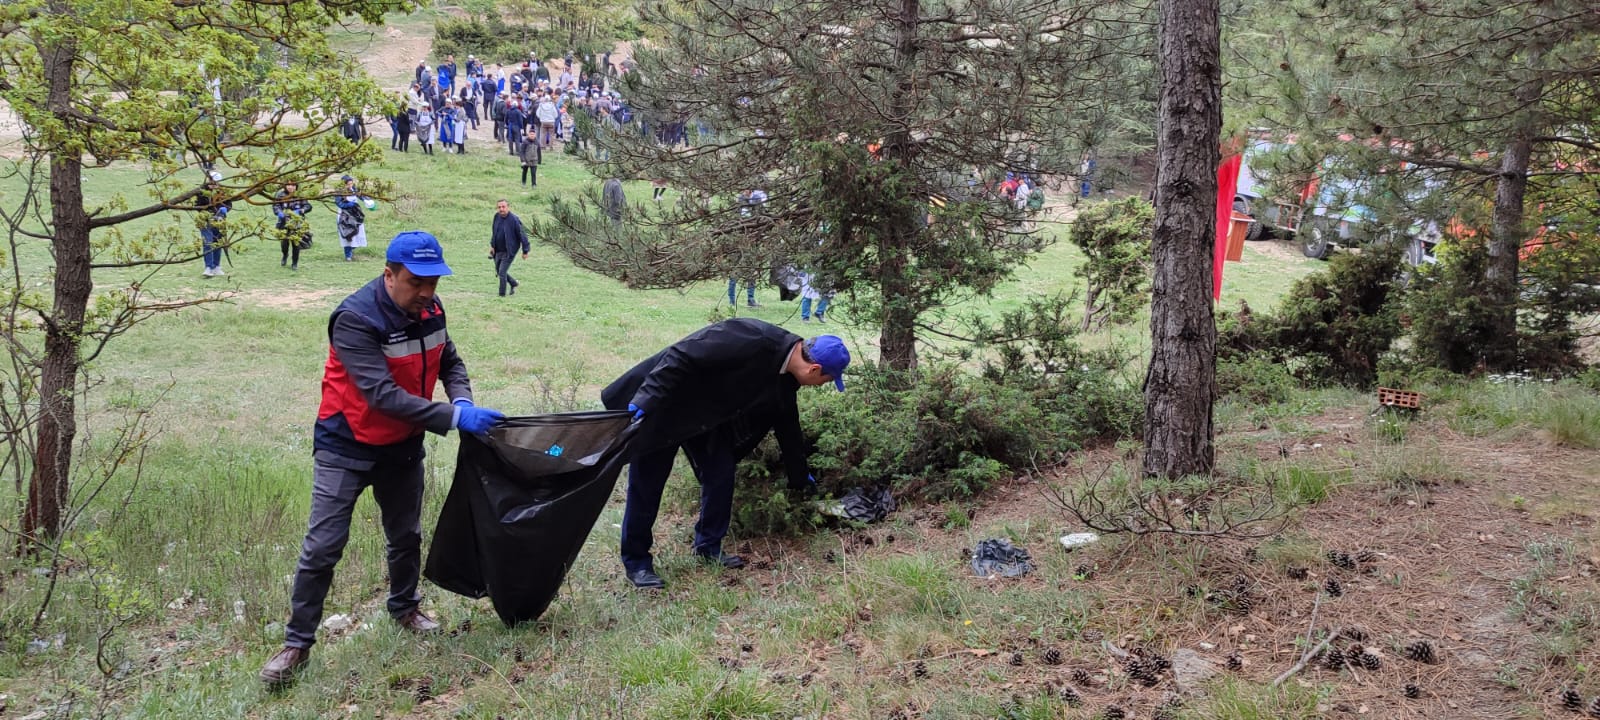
521	506
867	506
1000	557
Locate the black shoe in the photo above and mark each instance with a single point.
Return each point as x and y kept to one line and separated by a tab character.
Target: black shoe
513	289
731	562
646	579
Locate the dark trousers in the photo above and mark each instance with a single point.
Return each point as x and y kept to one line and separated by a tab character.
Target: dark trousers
290	246
502	268
398	489
405	142
713	461
513	136
532	170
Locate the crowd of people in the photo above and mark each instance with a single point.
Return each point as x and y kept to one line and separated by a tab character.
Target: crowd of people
529	108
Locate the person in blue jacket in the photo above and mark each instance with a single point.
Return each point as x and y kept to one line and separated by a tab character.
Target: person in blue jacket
213	218
516	118
447	74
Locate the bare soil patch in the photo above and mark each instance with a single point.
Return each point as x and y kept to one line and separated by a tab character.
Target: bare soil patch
1443	554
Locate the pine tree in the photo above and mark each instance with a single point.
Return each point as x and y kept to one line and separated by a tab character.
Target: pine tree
876	129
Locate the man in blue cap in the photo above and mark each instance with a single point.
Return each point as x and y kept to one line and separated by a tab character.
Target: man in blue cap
388	348
715	394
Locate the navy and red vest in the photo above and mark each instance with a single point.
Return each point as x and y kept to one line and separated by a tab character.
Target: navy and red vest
346	424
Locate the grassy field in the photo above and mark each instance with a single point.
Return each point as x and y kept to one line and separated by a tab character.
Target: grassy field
193	568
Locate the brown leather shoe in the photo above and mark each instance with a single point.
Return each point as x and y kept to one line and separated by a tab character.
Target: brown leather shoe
418	622
283	667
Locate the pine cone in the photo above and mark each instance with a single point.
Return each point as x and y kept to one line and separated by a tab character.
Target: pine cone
1371	661
1165	712
1084	572
518	654
1052	656
1354	632
1235	663
1158	662
1366	556
1594	708
1341	560
1421	652
1069	696
1081	677
1571	700
920	669
1142	672
424	690
1298	573
1016	659
1114	713
1412	691
1333	588
1334	659
1251	554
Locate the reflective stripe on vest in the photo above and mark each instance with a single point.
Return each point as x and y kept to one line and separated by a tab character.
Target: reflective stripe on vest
413	353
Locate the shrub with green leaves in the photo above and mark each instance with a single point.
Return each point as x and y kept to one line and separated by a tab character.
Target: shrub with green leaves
1115	240
1333	327
944	432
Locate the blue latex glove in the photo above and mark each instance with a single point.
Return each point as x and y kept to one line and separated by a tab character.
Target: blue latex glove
462	402
809	489
638	412
477	420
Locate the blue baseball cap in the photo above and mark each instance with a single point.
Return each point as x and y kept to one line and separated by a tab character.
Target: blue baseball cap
420	253
829	352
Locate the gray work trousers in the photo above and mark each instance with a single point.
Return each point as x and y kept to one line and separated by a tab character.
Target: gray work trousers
502	268
397	487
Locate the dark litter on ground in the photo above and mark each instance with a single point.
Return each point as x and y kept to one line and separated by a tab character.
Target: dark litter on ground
861	505
997	556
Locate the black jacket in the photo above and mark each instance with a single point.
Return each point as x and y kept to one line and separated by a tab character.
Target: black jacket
724	379
508	235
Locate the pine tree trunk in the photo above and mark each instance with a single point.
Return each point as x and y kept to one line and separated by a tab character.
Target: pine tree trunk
897	340
58	427
1180	385
1504	249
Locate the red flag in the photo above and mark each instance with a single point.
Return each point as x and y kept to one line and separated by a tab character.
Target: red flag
1227	183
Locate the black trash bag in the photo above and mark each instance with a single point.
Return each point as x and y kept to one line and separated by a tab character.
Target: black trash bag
521	506
868	506
1000	557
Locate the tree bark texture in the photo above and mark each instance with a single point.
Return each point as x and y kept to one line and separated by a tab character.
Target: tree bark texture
1180	384
897	339
1504	250
58	427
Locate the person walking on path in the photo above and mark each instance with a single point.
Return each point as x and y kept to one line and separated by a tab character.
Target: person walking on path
424	123
294	234
715	394
531	155
548	114
506	236
213	219
516	118
402	127
352	221
389	347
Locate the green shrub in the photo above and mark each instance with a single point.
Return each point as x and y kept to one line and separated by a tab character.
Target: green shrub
1115	240
1255	379
493	40
1451	321
1333	326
